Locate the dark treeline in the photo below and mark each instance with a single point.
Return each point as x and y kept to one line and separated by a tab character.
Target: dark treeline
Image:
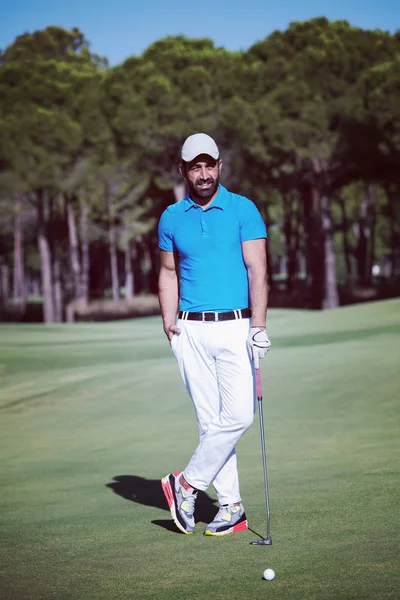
308	123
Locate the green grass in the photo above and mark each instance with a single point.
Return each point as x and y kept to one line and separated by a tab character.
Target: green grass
92	416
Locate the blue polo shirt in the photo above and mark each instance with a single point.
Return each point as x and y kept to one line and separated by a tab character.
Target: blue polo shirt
213	275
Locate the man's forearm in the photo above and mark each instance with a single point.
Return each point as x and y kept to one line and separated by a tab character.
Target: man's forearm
258	289
168	296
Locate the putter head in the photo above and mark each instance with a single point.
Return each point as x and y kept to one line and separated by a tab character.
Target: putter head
264	542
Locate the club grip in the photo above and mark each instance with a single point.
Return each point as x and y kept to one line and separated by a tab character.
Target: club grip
258	385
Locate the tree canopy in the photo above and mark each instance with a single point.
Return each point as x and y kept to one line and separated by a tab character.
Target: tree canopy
307	120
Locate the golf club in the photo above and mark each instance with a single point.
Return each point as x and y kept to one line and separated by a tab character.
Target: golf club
268	540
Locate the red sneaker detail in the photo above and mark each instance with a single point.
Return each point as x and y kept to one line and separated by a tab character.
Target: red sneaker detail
168	493
240	526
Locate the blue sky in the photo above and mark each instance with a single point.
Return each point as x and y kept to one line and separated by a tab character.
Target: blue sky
121	28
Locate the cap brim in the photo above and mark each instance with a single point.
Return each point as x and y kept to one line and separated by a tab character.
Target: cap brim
190	157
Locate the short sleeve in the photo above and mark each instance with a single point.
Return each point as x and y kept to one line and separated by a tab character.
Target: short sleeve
165	241
252	226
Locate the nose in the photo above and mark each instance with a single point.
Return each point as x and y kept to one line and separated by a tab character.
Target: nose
204	173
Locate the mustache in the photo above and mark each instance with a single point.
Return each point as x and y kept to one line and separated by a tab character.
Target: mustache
201	181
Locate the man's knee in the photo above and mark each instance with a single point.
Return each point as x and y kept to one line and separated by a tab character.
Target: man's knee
240	420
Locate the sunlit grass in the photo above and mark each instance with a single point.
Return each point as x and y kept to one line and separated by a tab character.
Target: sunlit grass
92	415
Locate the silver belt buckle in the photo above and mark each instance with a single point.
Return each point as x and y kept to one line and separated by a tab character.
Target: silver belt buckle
205	312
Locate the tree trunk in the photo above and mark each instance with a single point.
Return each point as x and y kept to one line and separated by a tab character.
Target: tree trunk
347	249
4	286
84	252
291	242
57	288
112	238
45	261
74	250
70	313
146	264
372	227
154	266
362	233
270	279
19	277
315	248
128	273
325	272
302	267
286	236
35	287
137	270
331	297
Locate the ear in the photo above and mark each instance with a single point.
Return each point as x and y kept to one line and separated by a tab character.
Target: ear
182	169
220	166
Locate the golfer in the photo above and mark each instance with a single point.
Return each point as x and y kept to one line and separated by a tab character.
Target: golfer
213	299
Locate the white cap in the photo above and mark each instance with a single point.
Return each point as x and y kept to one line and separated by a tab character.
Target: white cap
199	143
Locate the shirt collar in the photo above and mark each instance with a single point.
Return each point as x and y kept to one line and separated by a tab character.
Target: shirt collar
218	202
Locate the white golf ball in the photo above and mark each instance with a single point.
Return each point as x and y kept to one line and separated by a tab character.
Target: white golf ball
269	574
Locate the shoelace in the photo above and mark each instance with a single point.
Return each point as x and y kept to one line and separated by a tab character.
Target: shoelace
190	499
222	511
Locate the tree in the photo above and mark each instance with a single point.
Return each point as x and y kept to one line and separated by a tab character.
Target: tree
308	126
43	79
315	63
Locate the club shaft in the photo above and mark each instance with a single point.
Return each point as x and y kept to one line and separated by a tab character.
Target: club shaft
263	450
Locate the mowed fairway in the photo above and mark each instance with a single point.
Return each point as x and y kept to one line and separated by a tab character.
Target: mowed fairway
93	415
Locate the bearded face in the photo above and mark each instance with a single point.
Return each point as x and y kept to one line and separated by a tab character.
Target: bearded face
202	175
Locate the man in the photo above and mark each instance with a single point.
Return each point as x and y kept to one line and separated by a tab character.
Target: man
213	270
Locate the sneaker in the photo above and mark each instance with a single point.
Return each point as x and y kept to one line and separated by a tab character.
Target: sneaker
229	518
180	502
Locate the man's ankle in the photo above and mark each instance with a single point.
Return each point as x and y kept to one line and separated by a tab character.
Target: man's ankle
185	484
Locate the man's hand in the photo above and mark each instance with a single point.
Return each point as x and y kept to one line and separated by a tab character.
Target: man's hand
258	344
170	331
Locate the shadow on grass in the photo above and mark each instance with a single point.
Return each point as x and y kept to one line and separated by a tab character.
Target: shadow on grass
149	492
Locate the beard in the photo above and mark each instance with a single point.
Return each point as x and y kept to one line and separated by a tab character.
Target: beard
204	193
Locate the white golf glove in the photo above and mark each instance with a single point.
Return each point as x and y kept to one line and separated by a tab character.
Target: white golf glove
258	344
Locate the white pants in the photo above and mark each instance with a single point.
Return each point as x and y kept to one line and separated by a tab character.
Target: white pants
215	366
